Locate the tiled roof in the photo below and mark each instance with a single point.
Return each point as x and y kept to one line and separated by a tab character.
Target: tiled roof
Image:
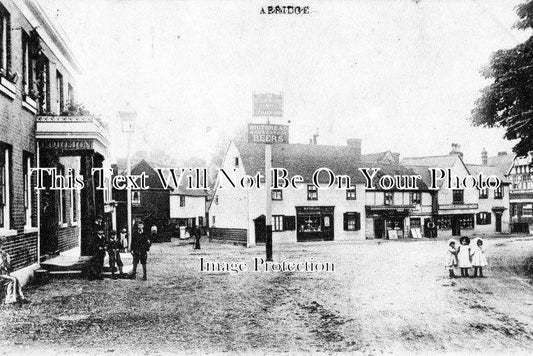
476	169
502	162
445	161
302	159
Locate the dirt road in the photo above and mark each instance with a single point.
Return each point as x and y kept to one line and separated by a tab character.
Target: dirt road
391	296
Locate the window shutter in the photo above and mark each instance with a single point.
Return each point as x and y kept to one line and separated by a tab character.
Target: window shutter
357	221
478	218
289	222
345	221
489	216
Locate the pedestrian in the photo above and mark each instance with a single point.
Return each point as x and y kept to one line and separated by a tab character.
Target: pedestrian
113	249
97	261
451	257
196	233
478	257
464	256
10	287
140	245
124	239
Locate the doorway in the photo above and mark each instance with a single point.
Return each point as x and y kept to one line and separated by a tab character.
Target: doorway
498	222
456	225
379	228
260	230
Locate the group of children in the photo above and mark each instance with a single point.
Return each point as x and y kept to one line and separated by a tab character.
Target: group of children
465	256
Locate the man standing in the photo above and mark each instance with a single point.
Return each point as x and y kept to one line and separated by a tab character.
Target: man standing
99	255
140	245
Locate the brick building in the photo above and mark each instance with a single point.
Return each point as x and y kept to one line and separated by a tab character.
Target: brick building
40	126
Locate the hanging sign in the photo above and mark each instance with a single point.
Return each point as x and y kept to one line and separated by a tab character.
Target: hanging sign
267	133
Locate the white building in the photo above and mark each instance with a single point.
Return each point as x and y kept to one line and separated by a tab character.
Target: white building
459	212
238	215
187	206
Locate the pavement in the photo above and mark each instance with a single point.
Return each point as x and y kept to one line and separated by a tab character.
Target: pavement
383	297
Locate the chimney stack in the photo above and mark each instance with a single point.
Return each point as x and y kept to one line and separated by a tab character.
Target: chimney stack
456	150
484	157
315	136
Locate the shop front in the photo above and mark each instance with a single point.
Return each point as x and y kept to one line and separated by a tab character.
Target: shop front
314	223
388	222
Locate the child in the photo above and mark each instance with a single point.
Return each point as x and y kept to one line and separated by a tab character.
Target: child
478	257
463	256
451	257
113	249
124	239
12	289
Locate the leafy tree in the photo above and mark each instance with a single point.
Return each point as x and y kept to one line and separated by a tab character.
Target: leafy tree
508	101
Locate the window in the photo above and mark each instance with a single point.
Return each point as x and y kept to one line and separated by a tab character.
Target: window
200	221
498	193
458	196
27	71
289	223
61	199
444	222
28	190
483	218
216	199
70	95
182	200
312	192
277	223
213	220
484	193
388	198
236	161
5	171
277	194
5	32
136	198
466	221
416	198
74	202
352	221
44	85
60	104
351	194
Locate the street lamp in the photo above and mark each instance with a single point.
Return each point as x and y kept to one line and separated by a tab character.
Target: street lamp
127	118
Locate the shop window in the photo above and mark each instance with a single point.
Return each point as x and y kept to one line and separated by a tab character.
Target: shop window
352	221
484	193
289	222
277	194
136	198
351	194
443	223
388	198
416	198
277	223
310	223
5	186
182	200
458	196
527	210
483	218
5	39
498	193
467	221
312	192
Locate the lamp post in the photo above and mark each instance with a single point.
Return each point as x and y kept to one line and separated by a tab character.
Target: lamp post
127	118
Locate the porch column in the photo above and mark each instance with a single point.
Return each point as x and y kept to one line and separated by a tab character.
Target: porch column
87	197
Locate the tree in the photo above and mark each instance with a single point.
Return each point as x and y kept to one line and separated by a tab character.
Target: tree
508	101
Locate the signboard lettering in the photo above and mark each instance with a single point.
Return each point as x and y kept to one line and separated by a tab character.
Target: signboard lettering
268	105
66	144
259	133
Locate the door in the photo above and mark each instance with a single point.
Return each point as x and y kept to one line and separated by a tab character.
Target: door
379	228
260	230
456	226
498	222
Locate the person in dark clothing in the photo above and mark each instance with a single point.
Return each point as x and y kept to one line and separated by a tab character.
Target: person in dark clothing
140	245
196	233
99	254
113	249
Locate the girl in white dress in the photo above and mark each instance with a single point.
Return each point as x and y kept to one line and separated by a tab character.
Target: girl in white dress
451	257
463	256
478	257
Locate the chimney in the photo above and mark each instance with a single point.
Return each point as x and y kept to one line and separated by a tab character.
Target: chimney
355	144
484	157
502	153
456	150
315	136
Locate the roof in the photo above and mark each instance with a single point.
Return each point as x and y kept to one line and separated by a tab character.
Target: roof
183	190
445	161
302	159
379	156
501	162
476	169
423	172
397	170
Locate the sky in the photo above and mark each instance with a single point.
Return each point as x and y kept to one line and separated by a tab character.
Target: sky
400	75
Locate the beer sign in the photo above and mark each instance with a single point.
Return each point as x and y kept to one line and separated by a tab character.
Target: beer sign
267	133
268	105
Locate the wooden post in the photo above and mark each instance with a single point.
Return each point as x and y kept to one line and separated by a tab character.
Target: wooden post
268	215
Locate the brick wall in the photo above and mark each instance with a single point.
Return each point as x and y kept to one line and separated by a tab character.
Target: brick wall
234	236
22	249
68	238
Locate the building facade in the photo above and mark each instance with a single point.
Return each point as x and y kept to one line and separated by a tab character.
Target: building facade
521	199
237	215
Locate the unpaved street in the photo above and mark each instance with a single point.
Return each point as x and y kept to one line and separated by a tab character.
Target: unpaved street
390	296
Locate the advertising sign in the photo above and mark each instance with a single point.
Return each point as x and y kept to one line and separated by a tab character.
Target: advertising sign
267	133
268	105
